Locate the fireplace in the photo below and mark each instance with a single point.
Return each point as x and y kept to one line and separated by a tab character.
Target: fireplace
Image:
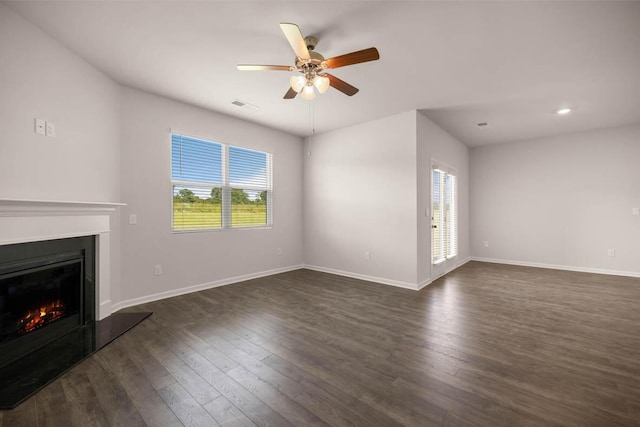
55	291
46	291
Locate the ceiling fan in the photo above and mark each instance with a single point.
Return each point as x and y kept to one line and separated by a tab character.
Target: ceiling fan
312	66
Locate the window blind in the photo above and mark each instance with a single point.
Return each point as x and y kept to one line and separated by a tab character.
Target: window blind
452	217
219	186
437	226
195	160
444	228
250	183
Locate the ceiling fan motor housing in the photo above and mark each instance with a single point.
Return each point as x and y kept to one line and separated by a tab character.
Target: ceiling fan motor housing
316	62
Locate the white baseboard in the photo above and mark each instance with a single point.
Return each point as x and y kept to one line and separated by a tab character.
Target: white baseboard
381	280
559	267
463	262
104	310
195	288
399	284
424	283
458	265
223	282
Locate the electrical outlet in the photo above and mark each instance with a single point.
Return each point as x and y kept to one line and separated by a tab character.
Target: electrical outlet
635	211
486	243
279	251
157	270
611	252
367	256
133	219
51	130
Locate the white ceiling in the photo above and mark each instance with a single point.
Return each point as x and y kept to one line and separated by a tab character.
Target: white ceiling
511	64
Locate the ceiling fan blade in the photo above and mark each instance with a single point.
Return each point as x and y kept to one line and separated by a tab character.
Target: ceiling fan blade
290	94
341	85
249	67
364	55
294	36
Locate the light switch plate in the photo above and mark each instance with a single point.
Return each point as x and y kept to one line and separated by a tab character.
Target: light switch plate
51	130
39	126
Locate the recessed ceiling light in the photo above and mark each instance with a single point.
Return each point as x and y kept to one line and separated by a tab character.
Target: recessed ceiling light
563	111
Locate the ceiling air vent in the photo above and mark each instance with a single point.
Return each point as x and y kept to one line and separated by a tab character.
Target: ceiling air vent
244	105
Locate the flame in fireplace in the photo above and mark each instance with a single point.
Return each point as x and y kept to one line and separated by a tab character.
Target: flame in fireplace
41	316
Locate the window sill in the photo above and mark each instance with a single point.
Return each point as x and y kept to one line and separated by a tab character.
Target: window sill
218	230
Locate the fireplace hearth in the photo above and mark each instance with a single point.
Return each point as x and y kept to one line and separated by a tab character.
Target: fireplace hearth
48	313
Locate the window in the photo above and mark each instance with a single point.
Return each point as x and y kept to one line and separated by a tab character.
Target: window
444	233
219	186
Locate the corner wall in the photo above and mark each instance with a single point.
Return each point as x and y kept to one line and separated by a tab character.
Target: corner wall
367	188
360	196
197	260
41	78
434	144
559	202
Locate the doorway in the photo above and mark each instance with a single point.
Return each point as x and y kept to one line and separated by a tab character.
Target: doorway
444	219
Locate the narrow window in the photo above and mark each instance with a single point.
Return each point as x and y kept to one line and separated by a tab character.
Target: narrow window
444	227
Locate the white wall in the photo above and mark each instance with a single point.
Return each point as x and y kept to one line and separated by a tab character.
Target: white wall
360	195
198	258
434	144
560	201
95	118
41	78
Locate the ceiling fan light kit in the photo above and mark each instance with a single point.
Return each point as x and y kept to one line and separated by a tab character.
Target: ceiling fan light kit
321	83
311	65
308	93
297	83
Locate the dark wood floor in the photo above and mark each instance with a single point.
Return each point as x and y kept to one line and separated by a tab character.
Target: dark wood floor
486	345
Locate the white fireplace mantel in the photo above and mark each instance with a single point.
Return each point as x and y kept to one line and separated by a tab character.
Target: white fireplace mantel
26	207
24	221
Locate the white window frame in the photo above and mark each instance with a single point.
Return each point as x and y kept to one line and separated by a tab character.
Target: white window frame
226	188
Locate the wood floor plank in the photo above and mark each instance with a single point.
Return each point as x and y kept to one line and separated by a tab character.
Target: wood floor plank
226	414
361	383
157	374
255	409
140	390
333	411
288	408
485	345
110	393
22	416
187	377
85	406
186	408
51	408
340	402
332	406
